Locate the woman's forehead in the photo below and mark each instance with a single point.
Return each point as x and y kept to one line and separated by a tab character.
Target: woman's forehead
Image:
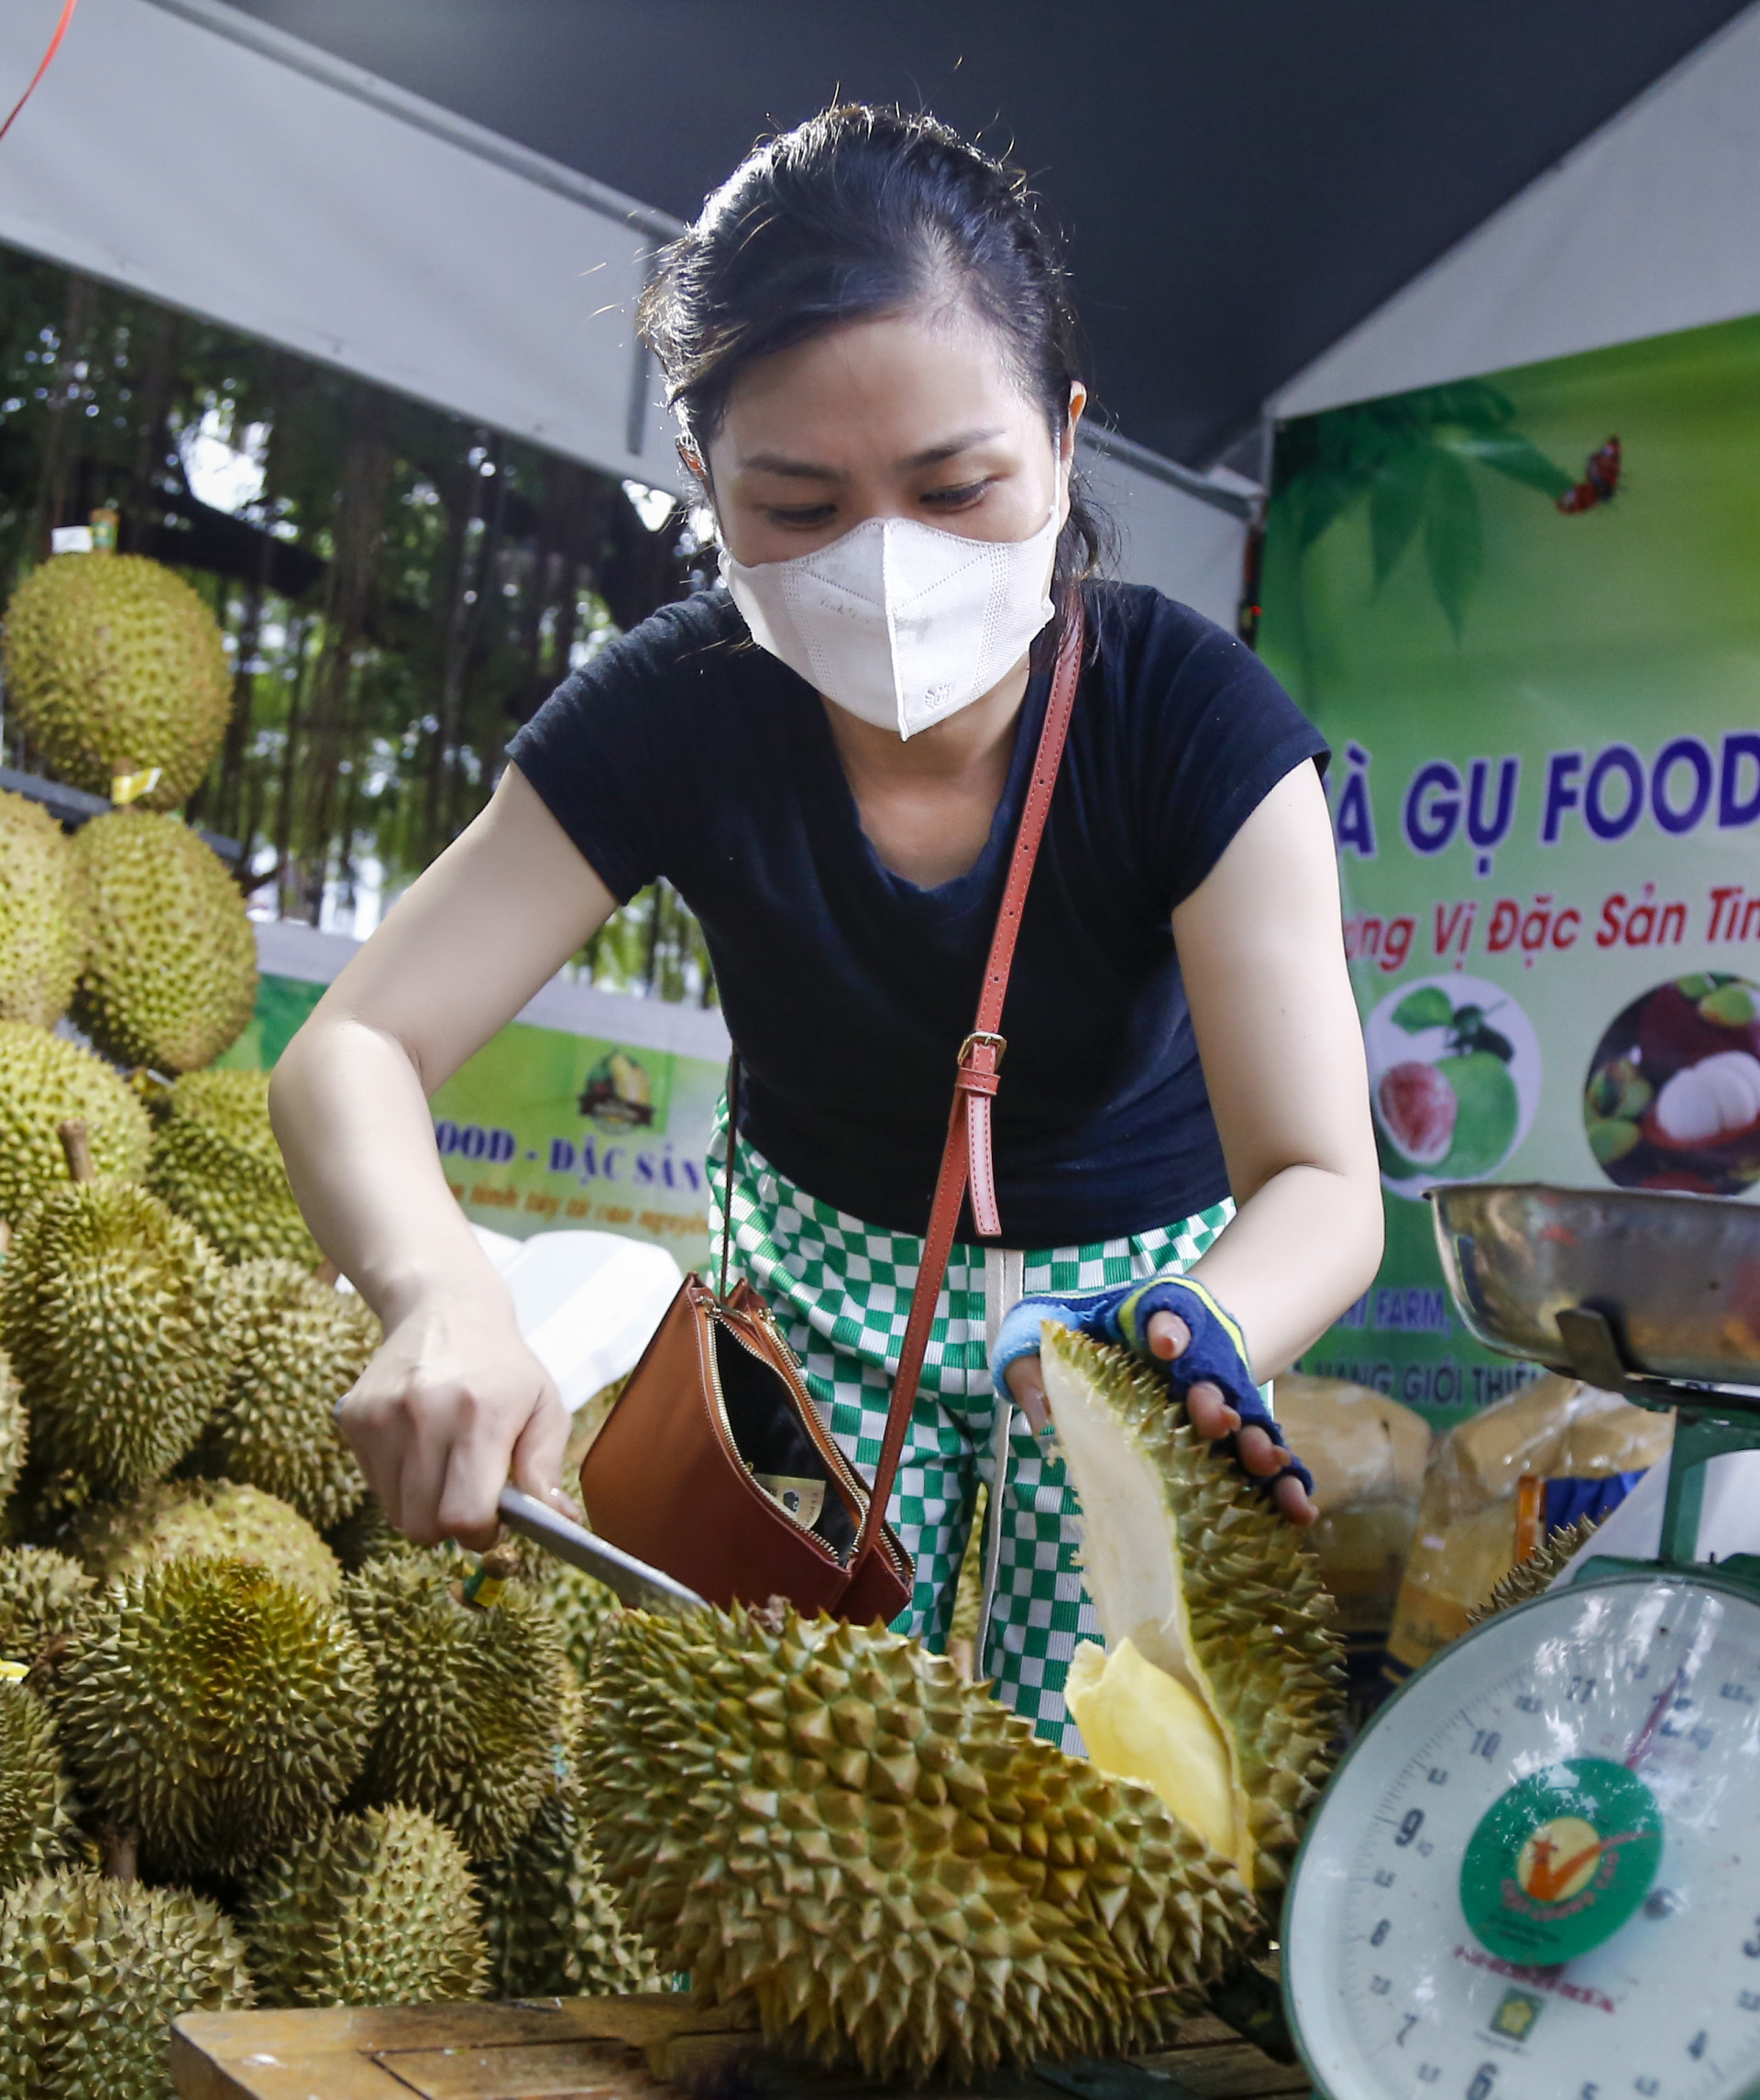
902	391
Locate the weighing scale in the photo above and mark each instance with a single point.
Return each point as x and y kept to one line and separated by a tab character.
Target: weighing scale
1536	1873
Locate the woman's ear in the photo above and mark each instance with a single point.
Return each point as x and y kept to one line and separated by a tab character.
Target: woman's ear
1078	401
691	460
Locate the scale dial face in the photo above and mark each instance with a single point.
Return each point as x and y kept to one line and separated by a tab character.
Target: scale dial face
1538	1874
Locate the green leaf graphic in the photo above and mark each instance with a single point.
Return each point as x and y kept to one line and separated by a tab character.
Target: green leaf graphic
1395	507
1428	1007
1514	455
1454	537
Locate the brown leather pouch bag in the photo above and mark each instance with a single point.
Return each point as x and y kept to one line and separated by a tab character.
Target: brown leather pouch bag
714	1466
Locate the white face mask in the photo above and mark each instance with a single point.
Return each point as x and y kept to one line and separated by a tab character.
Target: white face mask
899	623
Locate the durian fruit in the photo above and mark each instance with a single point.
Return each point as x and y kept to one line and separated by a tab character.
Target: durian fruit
1530	1577
169	978
174	1518
366	1910
94	1971
111	1308
14	1427
578	1605
42	914
552	1928
215	1709
45	1598
366	1534
826	1822
968	1593
470	1698
113	665
1221	1686
299	1345
36	1816
215	1161
44	1082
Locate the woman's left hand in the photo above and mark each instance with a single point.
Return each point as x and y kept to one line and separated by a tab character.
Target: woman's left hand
1212	1416
1165	1338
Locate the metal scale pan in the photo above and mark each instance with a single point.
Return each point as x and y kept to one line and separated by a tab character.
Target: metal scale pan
1638	1293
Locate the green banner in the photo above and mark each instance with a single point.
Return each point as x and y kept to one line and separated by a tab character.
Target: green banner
1522	610
545	1129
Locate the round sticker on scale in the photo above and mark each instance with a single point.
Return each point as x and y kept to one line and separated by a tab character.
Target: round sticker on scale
1560	1861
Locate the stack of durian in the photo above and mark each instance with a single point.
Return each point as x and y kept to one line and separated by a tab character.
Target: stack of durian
254	1748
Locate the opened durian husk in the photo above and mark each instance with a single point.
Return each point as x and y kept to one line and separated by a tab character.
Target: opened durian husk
1220	1687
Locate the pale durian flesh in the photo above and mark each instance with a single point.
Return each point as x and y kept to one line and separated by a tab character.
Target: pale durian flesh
1140	1722
1191	1564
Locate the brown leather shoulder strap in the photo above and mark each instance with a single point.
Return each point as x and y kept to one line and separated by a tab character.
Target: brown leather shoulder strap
967	1151
727	1180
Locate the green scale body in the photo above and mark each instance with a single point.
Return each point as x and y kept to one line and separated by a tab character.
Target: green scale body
1536	1874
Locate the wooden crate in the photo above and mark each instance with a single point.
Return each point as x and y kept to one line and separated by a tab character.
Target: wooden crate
638	2048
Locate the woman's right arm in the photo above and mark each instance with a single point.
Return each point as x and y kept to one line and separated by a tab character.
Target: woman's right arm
453	1401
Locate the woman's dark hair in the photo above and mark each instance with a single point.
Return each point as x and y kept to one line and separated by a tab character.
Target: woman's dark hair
858	213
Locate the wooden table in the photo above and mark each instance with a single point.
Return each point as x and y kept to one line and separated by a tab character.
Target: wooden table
638	2048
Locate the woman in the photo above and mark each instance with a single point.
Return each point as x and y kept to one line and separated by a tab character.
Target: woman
871	353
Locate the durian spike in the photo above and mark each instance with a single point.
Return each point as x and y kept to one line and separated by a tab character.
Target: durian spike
76	1142
1529	1578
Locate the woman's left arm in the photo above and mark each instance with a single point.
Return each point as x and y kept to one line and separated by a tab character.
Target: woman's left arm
1262	955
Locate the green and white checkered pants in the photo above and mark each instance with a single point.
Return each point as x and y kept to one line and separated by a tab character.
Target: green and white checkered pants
840	1290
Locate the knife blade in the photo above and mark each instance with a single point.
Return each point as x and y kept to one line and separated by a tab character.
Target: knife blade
647	1589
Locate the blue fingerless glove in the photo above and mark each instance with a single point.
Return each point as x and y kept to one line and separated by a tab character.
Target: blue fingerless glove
1215	1355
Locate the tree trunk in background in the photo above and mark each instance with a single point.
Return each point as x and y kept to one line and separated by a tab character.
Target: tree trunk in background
360	538
153	426
464	509
640	569
230	815
562	646
229	798
61	448
488	586
285	887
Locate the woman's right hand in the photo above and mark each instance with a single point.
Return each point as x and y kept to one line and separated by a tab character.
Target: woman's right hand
451	1407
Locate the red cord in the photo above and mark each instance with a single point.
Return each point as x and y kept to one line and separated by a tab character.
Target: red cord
54	45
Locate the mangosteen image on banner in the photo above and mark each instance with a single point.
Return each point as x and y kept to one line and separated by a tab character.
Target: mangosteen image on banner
1454	1072
1672	1100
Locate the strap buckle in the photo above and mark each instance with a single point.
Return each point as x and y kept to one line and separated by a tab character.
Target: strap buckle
997	1043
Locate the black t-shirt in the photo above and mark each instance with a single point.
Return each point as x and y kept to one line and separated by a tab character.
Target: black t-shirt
683	750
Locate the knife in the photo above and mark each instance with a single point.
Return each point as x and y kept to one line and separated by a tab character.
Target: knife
647	1589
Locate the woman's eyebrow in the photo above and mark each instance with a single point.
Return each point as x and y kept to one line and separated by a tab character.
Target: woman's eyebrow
793	469
932	455
812	471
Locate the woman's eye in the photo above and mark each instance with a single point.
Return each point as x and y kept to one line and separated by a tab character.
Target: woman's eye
806	515
955	499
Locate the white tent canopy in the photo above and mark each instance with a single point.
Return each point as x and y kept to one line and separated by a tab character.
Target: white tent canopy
1651	225
180	149
185	150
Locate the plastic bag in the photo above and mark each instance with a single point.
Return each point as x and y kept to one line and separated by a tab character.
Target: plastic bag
1367	1454
1555	1429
